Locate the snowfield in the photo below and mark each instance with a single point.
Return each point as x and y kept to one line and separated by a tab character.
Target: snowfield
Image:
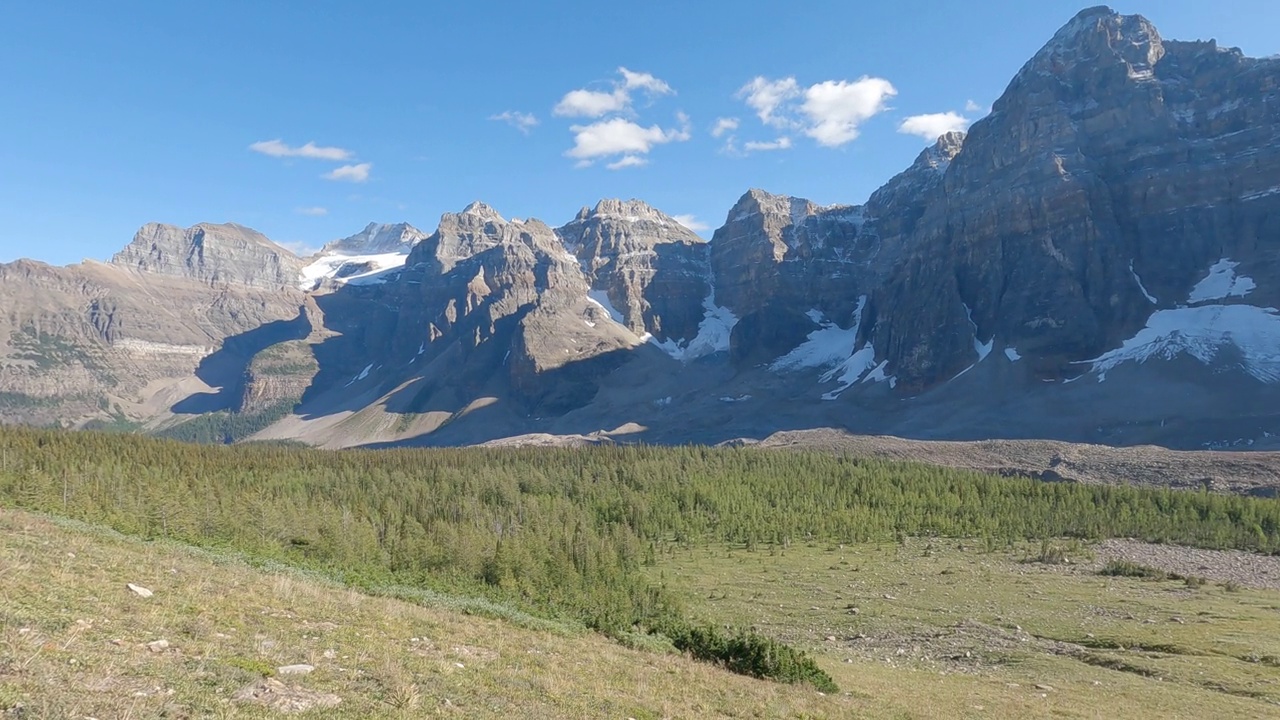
1202	332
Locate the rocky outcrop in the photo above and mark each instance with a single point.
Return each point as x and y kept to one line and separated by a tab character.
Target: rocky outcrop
1115	168
226	254
654	271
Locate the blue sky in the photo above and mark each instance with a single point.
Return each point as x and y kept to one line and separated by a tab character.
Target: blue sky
117	114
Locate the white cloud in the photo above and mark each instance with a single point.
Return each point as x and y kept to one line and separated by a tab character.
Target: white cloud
767	96
628	161
836	108
299	248
518	120
934	125
619	136
973	107
782	143
829	112
644	81
278	148
724	125
312	211
350	173
691	222
595	103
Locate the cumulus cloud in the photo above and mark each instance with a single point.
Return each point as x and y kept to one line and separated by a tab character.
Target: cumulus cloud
350	173
973	107
596	103
524	122
278	148
835	109
767	97
724	125
312	211
782	143
620	136
691	222
829	112
931	126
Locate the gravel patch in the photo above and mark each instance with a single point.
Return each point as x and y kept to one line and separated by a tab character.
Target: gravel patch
1247	569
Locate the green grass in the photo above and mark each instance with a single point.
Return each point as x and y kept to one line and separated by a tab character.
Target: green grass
73	643
950	626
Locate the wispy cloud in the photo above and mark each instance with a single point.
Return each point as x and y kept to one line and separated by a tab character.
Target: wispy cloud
973	107
767	97
350	173
931	126
782	143
724	125
278	148
597	103
830	112
312	211
524	122
628	161
691	222
299	248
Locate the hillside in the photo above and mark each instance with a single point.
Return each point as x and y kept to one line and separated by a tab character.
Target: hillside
76	642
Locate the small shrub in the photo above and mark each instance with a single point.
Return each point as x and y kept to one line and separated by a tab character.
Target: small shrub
1126	568
257	667
748	653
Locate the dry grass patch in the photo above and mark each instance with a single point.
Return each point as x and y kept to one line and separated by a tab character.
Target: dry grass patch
75	642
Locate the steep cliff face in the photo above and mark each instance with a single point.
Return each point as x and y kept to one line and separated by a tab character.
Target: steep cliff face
226	254
645	264
1115	169
97	341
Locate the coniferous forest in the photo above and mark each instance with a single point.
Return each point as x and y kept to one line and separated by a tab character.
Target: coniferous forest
564	533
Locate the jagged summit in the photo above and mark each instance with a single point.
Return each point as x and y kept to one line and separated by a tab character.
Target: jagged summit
482	211
376	238
1096	38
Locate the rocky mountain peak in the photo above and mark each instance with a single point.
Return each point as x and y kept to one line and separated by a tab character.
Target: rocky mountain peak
1098	37
760	202
377	238
483	211
211	253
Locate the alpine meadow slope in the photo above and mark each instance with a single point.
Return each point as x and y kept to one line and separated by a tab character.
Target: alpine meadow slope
1095	261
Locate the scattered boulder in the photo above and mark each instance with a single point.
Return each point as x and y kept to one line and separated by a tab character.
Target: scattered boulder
157	646
280	697
299	669
139	590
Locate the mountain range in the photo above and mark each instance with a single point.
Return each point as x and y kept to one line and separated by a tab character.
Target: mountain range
1095	261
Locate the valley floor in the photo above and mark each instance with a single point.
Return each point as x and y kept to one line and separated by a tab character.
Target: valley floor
954	629
918	629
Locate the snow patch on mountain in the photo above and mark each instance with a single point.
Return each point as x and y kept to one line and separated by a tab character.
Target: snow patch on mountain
713	333
351	269
834	348
1150	298
1202	332
1222	282
601	298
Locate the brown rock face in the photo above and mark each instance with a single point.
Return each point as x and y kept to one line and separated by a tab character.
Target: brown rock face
1112	155
226	254
653	270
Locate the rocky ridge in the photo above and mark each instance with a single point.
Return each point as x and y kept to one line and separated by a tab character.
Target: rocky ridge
1094	260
